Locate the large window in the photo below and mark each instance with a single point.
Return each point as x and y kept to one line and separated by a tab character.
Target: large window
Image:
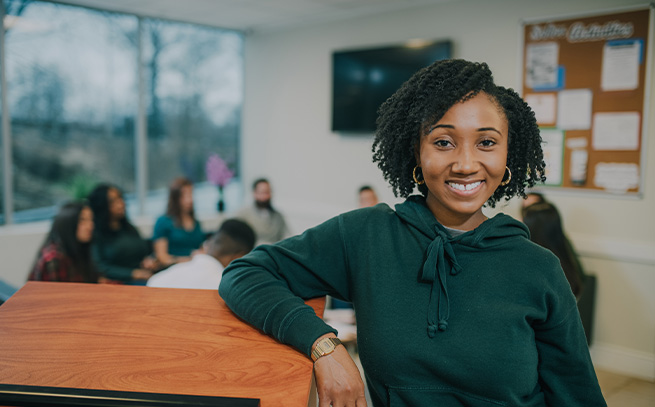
72	96
73	82
193	86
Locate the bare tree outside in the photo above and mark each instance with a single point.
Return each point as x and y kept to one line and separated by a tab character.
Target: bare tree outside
73	92
194	87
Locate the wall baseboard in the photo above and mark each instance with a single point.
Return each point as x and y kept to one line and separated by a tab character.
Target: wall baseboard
624	361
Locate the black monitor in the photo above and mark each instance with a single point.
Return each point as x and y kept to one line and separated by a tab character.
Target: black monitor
363	79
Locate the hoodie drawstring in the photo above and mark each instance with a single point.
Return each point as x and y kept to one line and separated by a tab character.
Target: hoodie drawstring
437	268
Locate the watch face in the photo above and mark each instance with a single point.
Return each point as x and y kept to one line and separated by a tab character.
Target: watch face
325	347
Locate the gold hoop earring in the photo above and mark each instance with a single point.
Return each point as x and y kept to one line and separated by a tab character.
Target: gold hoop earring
509	178
421	182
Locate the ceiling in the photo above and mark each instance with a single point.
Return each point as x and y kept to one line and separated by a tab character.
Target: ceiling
254	15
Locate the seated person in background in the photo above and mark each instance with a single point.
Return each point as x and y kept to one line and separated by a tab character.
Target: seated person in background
233	239
533	198
367	197
66	252
177	234
269	224
546	230
118	250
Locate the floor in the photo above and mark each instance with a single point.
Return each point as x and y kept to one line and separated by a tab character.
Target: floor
624	391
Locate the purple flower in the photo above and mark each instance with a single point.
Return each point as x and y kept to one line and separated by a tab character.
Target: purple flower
217	171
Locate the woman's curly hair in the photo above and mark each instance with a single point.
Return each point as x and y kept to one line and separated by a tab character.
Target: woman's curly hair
424	99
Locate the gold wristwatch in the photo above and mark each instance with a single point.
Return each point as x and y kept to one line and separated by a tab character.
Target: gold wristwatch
324	347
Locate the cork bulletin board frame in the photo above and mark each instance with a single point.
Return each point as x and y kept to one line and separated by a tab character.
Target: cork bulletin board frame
587	77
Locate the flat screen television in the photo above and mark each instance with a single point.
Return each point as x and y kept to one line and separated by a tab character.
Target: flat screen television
363	79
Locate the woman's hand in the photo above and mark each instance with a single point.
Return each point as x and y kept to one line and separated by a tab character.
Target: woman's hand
141	274
338	381
150	263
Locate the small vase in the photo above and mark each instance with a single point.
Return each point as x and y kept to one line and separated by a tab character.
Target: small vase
220	206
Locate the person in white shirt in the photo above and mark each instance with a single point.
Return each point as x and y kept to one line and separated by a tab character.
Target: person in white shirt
232	240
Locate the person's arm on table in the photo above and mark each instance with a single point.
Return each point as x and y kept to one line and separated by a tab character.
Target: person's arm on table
267	288
114	272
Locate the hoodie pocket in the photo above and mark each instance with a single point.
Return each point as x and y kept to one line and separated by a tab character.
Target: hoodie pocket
428	396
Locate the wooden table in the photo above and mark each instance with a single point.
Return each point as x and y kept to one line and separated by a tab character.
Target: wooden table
144	339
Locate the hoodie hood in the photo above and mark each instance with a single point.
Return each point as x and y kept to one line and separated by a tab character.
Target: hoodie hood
440	260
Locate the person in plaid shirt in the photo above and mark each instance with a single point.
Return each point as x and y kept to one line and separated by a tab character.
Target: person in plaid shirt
66	253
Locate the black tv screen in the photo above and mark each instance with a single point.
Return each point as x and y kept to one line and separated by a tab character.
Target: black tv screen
363	79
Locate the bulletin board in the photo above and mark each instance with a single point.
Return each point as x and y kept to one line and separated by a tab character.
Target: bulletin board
587	80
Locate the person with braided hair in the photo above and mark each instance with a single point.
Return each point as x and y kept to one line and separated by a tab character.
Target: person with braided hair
453	308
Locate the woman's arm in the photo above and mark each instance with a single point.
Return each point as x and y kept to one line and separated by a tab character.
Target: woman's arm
267	287
113	272
161	232
160	247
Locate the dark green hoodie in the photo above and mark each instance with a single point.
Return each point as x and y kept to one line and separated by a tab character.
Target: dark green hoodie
486	318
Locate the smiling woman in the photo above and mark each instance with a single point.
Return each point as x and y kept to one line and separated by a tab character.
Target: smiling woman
462	159
452	308
403	123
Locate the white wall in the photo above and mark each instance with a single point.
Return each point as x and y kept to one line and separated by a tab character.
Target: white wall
315	173
18	246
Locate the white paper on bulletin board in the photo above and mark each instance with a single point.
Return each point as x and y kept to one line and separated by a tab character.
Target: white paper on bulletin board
574	109
542	69
616	131
617	177
621	60
544	106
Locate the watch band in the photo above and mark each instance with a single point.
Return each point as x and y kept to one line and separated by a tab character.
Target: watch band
324	347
